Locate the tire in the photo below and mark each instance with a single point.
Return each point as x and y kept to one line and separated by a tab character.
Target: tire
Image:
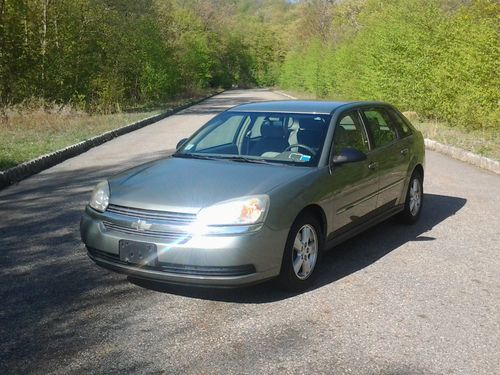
414	200
306	228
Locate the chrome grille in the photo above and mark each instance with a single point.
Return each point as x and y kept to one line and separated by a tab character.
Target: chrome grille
176	218
163	235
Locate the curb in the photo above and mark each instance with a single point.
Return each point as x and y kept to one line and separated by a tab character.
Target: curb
466	156
29	168
284	94
454	152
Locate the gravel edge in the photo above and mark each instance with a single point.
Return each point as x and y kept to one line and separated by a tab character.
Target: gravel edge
463	155
34	166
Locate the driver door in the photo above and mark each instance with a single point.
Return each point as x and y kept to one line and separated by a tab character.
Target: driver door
354	186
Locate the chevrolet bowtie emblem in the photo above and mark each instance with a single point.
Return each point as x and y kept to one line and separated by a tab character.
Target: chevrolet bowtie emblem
141	225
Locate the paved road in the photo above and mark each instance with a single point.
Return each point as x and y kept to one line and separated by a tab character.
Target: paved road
395	300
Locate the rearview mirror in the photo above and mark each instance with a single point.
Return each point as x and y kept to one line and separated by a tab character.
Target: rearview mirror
180	143
348	155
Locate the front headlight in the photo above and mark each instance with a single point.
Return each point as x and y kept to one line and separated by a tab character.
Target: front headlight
99	199
241	211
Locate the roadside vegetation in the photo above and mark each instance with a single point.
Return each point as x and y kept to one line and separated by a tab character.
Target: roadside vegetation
438	58
107	55
32	129
485	142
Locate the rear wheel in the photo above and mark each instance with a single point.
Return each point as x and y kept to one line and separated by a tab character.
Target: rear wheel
302	254
414	199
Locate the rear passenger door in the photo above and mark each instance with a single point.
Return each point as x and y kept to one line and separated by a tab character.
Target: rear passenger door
389	156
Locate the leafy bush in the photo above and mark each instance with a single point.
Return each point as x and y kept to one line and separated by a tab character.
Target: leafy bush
113	54
416	54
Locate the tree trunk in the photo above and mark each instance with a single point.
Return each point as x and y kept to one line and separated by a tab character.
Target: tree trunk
2	7
44	39
26	28
56	32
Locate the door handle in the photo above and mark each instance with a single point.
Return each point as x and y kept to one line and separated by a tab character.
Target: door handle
404	151
372	165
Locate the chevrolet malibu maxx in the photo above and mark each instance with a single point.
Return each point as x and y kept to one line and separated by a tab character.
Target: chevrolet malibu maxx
259	192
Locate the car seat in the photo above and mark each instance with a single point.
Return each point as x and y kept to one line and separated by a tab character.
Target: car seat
272	140
310	133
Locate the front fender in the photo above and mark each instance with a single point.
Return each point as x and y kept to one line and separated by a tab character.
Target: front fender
288	200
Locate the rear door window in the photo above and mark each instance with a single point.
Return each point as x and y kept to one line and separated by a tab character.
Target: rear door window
402	127
380	126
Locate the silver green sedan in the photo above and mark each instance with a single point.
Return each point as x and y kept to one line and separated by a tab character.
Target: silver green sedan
258	192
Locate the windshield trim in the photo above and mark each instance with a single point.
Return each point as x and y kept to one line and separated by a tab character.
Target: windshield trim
280	112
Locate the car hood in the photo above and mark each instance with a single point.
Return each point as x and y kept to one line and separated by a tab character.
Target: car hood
187	185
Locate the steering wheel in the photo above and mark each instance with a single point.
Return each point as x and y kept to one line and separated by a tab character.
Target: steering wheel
313	153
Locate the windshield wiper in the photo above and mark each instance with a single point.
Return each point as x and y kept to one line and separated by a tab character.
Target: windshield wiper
243	159
240	159
194	156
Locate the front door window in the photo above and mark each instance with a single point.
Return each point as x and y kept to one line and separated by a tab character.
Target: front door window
349	134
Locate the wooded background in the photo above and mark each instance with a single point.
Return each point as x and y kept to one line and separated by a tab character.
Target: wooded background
439	58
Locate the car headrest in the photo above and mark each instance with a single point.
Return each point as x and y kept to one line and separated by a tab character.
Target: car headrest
271	130
310	132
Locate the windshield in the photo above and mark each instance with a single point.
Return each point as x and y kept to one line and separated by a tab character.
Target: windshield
261	137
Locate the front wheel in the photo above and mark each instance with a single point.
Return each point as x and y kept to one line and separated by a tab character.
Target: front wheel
302	254
414	199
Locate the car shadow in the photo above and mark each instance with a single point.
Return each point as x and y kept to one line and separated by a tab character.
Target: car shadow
341	261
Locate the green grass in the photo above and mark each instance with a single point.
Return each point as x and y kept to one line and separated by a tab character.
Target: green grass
30	131
482	142
485	142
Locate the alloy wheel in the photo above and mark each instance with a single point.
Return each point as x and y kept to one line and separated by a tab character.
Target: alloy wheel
305	251
415	197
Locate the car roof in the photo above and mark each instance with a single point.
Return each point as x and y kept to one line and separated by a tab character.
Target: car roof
298	106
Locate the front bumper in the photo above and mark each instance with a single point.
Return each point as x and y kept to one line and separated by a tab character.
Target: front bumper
209	260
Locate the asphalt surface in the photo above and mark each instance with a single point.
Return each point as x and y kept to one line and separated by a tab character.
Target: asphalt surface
423	299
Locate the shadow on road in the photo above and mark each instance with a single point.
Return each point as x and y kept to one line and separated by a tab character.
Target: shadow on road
343	260
49	288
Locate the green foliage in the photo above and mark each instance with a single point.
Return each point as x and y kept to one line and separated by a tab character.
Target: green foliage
437	57
441	61
103	55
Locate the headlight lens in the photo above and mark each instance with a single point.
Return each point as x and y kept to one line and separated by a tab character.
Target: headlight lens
241	211
99	199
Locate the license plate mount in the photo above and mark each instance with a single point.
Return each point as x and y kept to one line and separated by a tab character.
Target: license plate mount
139	253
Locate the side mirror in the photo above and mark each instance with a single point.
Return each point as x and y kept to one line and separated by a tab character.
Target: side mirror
348	155
180	143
